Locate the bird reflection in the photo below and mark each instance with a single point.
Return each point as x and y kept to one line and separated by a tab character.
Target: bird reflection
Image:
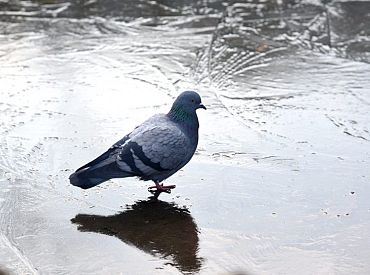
156	227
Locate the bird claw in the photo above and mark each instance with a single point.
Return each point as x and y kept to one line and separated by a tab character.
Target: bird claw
159	189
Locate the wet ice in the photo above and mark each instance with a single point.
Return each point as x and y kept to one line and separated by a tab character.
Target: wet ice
287	83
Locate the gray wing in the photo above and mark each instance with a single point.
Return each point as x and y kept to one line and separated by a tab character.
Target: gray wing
153	150
106	156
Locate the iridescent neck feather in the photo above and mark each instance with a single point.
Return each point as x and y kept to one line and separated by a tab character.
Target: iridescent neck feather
186	117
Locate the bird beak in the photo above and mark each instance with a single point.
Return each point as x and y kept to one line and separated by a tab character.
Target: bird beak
202	106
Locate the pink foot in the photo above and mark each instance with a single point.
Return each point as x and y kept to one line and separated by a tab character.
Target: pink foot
161	188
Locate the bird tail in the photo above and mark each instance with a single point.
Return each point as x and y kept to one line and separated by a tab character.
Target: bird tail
84	179
90	176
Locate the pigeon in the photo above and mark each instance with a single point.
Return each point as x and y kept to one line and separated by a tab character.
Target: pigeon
154	150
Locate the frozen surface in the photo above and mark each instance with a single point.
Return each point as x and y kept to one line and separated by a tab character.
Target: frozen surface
281	177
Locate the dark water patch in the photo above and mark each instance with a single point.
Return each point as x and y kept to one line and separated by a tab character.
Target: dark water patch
252	34
125	10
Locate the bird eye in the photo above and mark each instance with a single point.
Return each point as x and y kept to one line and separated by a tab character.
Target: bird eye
192	100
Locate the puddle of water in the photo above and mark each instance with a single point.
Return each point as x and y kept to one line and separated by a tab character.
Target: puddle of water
283	185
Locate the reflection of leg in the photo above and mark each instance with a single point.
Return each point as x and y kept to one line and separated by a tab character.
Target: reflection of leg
155	195
160	188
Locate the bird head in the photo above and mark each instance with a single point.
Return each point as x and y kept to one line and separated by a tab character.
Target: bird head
188	101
